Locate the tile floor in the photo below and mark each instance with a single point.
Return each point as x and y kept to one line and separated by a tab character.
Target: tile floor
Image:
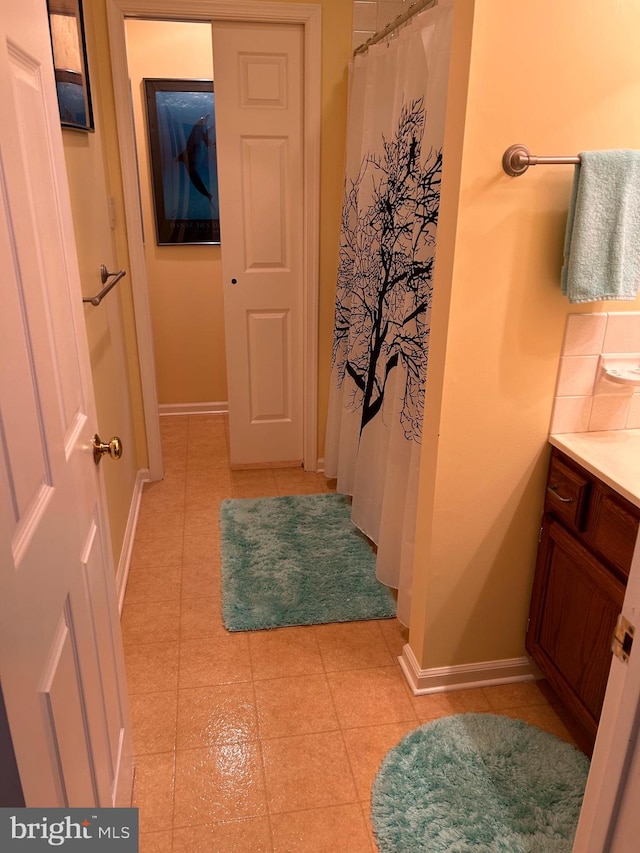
268	740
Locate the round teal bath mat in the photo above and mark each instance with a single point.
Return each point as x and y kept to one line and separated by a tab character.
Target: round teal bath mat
478	782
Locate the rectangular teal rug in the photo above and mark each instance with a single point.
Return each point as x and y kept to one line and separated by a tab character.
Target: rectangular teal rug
297	560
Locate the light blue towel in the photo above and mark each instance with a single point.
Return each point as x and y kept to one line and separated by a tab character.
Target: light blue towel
602	244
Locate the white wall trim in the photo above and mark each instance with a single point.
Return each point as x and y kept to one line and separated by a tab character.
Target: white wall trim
442	678
193	408
133	216
143	476
309	16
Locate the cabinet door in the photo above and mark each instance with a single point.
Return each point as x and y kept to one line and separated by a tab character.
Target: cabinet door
574	607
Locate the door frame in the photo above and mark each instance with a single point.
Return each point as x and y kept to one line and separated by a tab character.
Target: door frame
210	11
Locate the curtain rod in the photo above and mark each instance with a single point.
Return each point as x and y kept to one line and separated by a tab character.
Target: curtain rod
413	9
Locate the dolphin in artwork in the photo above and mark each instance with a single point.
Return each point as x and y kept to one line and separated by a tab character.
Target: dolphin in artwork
194	154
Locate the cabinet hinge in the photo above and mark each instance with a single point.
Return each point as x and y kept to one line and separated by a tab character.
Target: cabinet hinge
623	638
540	534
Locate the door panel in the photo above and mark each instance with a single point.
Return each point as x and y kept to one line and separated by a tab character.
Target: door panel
66	719
61	659
259	105
265	204
270	399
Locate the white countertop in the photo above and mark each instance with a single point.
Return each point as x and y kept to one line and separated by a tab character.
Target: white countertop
613	456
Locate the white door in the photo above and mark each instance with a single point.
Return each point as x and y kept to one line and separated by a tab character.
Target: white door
61	661
258	72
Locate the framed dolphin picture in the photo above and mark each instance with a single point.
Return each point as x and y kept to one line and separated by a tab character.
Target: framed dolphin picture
182	144
66	26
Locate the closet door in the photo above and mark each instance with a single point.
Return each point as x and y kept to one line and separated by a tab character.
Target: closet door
258	72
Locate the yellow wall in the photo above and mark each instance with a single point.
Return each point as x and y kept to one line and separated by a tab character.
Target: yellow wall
185	282
90	190
561	80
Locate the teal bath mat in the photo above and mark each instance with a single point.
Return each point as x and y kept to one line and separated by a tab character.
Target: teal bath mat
478	783
296	560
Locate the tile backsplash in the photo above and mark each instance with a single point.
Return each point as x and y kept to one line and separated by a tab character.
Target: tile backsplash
370	16
586	400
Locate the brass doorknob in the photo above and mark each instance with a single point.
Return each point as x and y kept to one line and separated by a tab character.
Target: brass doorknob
113	448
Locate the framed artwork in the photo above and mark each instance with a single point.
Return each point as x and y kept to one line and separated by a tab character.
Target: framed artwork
66	24
182	145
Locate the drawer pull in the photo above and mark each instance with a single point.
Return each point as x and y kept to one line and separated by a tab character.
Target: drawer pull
554	489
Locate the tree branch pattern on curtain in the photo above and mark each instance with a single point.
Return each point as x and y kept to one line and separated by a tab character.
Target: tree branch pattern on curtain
385	272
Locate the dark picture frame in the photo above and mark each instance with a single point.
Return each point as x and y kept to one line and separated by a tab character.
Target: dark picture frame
69	48
182	147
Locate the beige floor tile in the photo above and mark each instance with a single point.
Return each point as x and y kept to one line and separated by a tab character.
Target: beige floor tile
202	549
336	829
284	652
172	481
300	487
213	480
153	791
162	583
250	835
369	697
223	713
206	426
435	705
199	522
175	465
253	484
307	771
294	706
205	449
155	842
200	618
352	645
295	481
201	580
160	524
152	667
161	551
151	622
215	660
153	718
219	783
514	695
366	812
542	716
170	424
206	500
367	747
216	460
172	485
395	634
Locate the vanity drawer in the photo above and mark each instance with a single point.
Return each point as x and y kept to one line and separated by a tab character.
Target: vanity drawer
612	528
567	493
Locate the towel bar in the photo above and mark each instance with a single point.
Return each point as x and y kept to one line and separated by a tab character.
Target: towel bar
104	275
517	159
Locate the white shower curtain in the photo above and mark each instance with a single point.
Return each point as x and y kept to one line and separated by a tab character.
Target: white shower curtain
395	130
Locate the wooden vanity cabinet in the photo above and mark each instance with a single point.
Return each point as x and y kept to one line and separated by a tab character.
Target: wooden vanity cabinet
587	540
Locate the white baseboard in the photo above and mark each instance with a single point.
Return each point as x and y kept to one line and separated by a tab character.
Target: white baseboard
193	408
320	465
442	678
124	562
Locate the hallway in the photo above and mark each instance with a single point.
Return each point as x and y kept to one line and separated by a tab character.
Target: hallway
268	740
